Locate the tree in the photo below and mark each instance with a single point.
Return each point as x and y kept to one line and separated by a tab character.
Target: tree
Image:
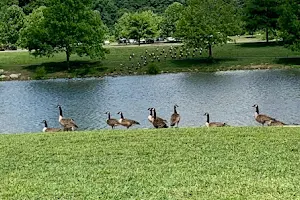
108	11
262	14
11	21
170	17
68	26
138	25
206	23
289	23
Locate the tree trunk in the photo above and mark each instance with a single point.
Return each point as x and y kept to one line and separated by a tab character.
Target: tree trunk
139	39
209	51
68	59
267	35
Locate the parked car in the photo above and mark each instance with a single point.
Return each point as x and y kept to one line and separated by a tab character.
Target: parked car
142	41
149	40
132	41
122	41
170	39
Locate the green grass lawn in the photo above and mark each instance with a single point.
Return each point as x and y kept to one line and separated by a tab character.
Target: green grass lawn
184	163
226	57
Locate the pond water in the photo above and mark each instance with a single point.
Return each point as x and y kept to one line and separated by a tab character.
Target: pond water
227	96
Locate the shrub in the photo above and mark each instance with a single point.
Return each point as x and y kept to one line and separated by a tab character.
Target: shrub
153	69
40	73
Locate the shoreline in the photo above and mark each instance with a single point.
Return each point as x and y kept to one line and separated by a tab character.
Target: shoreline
195	70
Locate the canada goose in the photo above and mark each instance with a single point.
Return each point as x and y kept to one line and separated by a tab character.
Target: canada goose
175	117
110	121
275	123
127	122
260	118
151	116
66	123
47	129
158	122
213	124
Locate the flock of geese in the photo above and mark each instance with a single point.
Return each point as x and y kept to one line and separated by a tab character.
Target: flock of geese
68	124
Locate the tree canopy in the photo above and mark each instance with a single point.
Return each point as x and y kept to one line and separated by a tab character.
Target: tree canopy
290	24
170	18
206	23
138	25
260	14
11	21
64	25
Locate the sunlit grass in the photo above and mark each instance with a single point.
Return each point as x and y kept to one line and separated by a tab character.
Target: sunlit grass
184	163
226	57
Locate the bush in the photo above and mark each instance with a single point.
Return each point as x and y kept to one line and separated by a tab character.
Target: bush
40	73
153	69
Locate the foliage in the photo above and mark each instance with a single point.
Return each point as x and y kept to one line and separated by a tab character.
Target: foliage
187	163
153	69
290	24
138	25
65	25
40	73
170	17
108	11
260	14
205	23
11	21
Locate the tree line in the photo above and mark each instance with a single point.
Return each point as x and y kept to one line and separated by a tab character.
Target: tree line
81	26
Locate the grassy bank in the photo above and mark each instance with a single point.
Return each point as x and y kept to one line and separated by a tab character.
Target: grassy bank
228	57
192	163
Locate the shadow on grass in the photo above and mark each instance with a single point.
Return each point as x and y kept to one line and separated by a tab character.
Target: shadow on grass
289	61
200	62
260	44
77	67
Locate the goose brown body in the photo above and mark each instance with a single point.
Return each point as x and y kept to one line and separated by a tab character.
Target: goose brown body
111	122
68	124
275	123
213	124
175	117
261	118
158	122
151	117
127	122
47	129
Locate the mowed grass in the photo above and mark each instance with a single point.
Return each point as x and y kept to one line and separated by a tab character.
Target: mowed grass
184	163
227	57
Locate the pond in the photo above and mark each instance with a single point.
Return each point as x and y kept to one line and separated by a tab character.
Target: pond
226	96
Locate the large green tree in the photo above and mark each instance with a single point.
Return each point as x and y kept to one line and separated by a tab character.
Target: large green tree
170	18
262	15
289	23
138	25
205	23
69	26
11	21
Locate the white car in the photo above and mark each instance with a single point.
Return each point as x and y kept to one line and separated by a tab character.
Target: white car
170	39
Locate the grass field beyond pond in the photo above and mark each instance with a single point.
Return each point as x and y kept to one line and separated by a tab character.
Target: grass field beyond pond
184	163
227	57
